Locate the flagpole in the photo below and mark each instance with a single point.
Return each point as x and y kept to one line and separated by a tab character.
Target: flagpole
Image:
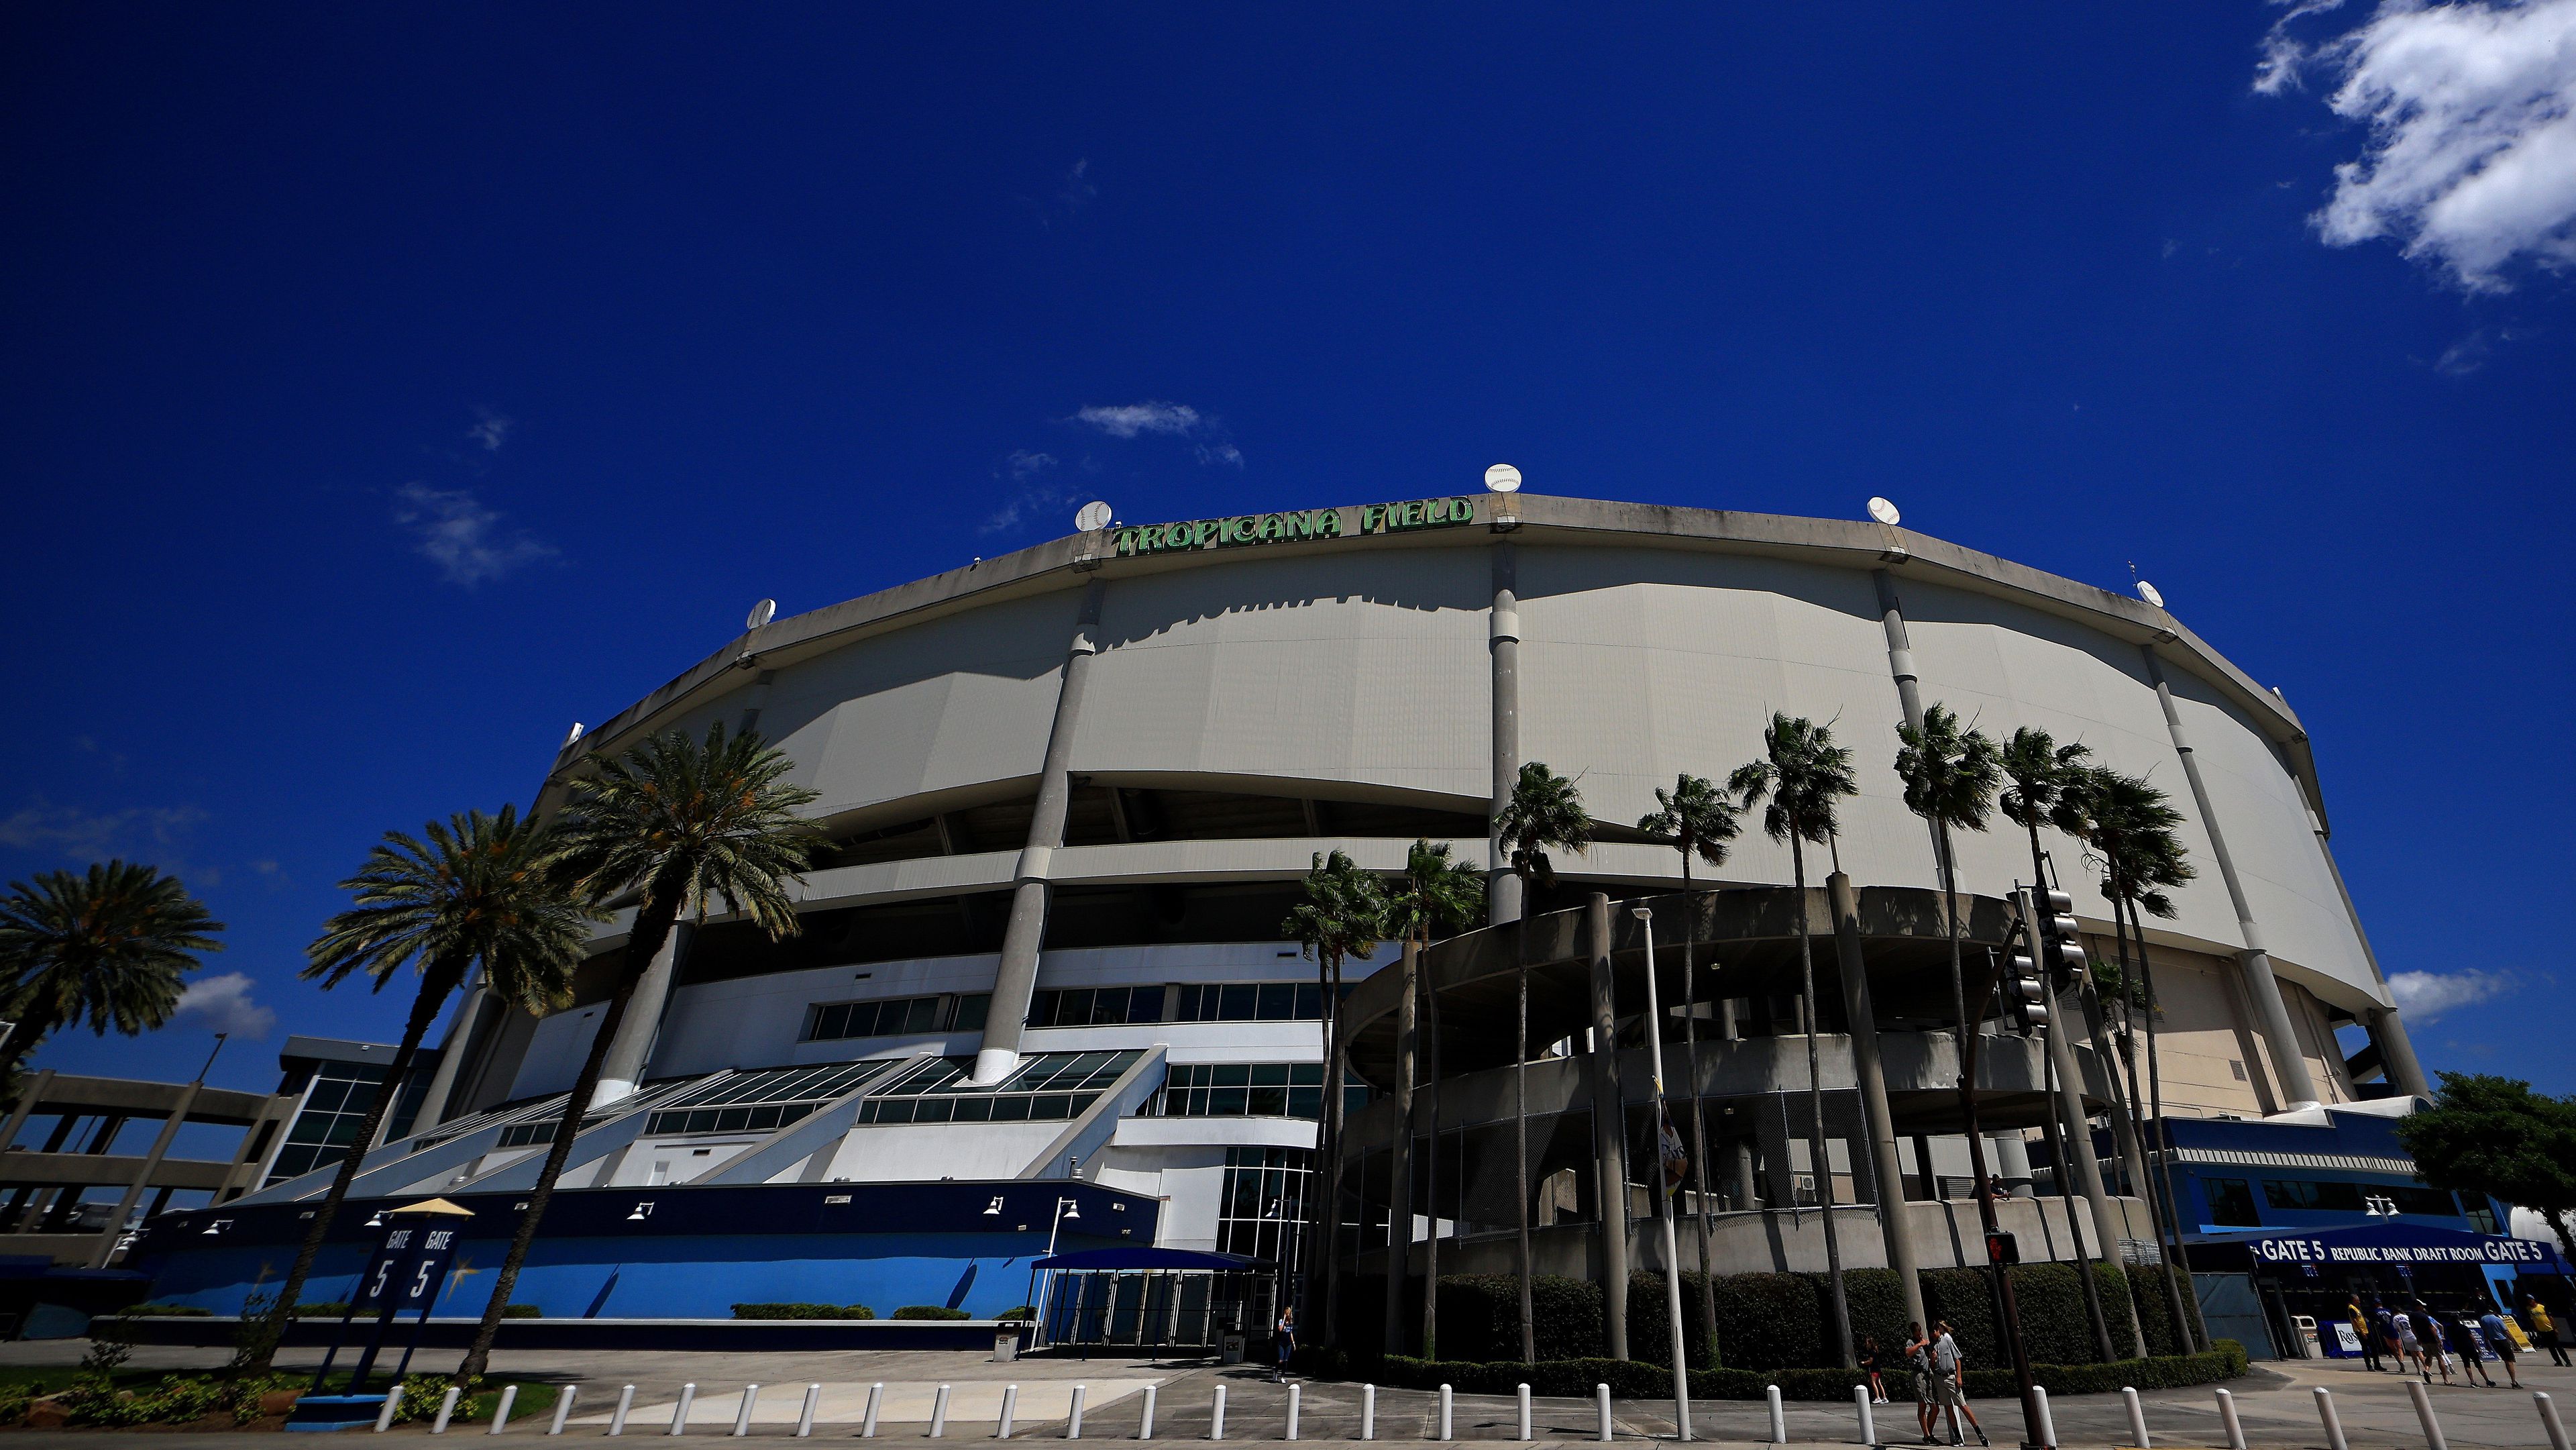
1667	1144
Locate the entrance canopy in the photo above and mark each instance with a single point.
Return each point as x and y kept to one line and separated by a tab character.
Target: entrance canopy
2392	1243
1147	1258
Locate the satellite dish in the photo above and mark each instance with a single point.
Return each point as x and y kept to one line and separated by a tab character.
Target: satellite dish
2147	592
1883	511
569	739
1503	478
761	613
1095	515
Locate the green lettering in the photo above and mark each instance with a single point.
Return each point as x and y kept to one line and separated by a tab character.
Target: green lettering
1272	527
1410	514
1327	524
1238	530
1207	531
1124	541
1373	518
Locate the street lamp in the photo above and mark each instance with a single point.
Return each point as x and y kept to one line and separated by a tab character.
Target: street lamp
1666	1142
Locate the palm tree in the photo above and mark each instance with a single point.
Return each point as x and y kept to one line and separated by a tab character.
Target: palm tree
479	890
1695	818
108	947
2039	769
1799	782
1545	814
675	824
1343	916
1434	894
2134	831
1950	776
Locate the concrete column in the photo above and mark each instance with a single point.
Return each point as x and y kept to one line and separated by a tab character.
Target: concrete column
1878	1126
1399	1198
1923	1168
143	1175
1609	1130
1503	895
1739	1174
2396	1053
451	1056
2076	1129
632	1049
2012	1162
1021	939
26	1104
1900	647
2280	1040
1779	1170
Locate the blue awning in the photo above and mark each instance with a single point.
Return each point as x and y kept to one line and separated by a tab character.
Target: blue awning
1148	1258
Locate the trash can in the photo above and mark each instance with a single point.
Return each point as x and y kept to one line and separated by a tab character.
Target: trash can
1230	1350
1006	1344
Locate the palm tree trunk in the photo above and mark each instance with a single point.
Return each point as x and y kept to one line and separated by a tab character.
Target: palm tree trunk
435	985
2143	1177
1699	1122
1431	1163
1327	1210
1520	1159
653	923
1823	1160
2164	1154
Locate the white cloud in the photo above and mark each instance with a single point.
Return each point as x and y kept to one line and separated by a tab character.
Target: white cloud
490	429
1178	420
222	1003
2471	110
460	534
2427	995
72	831
1025	465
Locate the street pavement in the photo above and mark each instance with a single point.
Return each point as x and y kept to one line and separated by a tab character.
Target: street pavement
2275	1404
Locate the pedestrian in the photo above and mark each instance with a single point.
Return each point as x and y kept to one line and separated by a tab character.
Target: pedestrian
1869	1362
2544	1332
2500	1340
2410	1350
2387	1331
2361	1332
1952	1371
2436	1347
1283	1338
1918	1357
2473	1350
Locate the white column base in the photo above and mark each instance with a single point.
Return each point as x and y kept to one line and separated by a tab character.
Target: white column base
610	1089
993	1064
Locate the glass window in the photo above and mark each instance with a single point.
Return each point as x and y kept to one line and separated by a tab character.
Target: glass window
328	1124
1048	1086
2231	1201
1251	1089
758	1102
1262	1204
1250	1002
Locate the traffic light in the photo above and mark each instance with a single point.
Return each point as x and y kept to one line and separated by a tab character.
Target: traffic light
2057	927
2046	939
2002	1248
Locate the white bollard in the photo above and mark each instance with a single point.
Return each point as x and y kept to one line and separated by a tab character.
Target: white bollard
2227	1418
393	1403
446	1407
1444	1415
1601	1402
1073	1416
2332	1421
563	1408
1145	1428
805	1416
1522	1394
501	1410
2549	1419
876	1399
2424	1415
939	1413
1368	1412
680	1411
1010	1411
2137	1417
2047	1421
1780	1418
1868	1419
742	1416
1216	1417
1292	1410
625	1402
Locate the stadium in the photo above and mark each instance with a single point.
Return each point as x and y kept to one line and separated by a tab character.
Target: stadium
1041	1001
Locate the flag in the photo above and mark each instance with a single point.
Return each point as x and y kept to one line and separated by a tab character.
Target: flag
1676	1162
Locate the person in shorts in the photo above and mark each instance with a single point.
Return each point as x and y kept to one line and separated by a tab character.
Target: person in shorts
2361	1331
2500	1339
1869	1358
2410	1350
1918	1357
1283	1337
2436	1347
2544	1330
1950	1370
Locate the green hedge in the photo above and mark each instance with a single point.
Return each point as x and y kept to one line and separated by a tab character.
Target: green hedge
803	1311
929	1311
1634	1379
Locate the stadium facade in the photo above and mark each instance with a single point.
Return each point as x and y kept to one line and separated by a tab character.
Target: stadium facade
1040	992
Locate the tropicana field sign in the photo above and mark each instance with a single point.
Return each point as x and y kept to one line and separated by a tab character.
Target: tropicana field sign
1249	529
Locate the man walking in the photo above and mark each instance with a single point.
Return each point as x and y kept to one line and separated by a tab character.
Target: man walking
1951	1368
2544	1331
2491	1325
2361	1331
1918	1357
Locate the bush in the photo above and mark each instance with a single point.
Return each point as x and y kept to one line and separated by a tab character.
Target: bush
164	1311
806	1311
522	1311
175	1400
328	1309
1480	1316
929	1311
1024	1314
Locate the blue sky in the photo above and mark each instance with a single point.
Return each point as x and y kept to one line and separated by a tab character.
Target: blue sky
387	388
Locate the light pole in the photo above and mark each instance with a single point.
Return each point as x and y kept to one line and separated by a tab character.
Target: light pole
1664	1182
1065	1208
